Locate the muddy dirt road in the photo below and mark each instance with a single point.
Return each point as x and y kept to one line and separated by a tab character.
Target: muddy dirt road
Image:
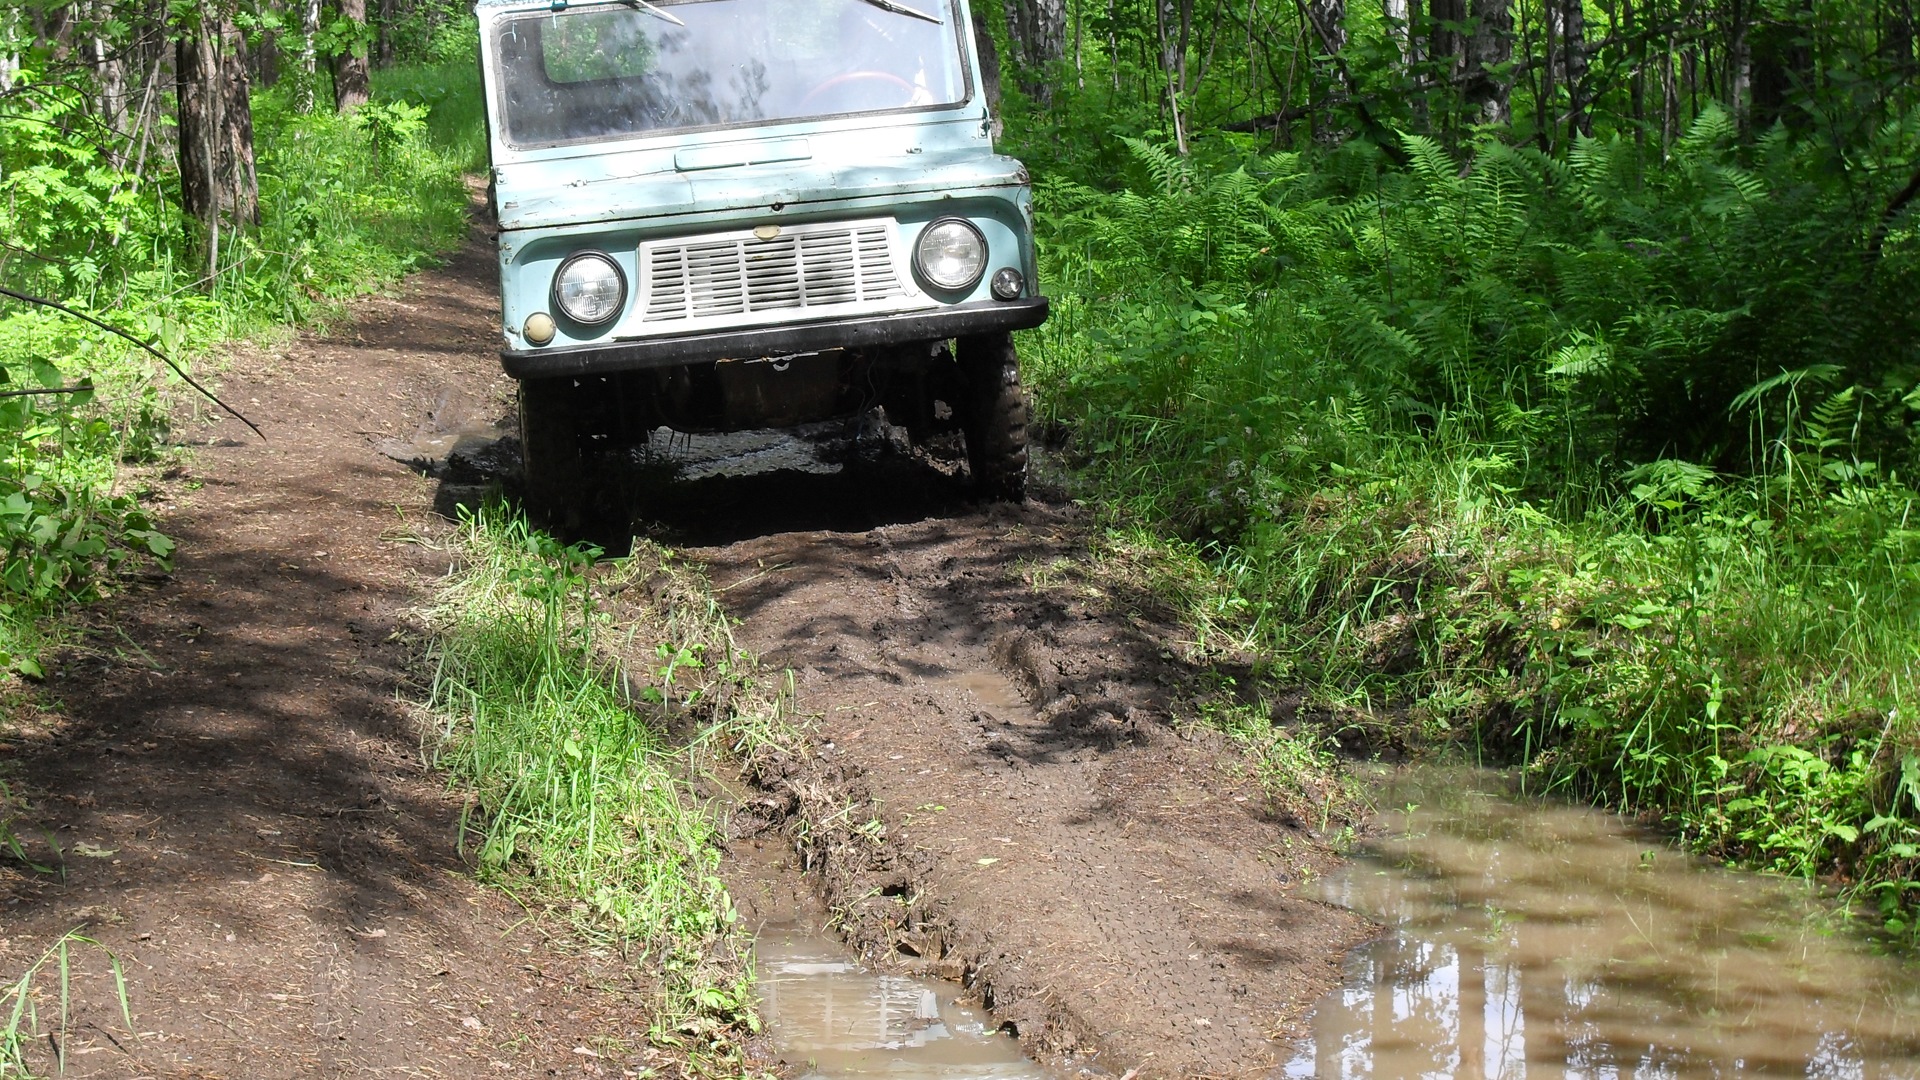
1109	883
997	791
234	784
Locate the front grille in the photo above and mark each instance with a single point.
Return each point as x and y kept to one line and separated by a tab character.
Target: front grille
740	274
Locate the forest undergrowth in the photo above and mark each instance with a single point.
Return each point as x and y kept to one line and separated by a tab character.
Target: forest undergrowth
349	203
1592	462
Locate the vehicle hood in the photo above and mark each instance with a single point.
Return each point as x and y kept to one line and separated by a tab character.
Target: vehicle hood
716	178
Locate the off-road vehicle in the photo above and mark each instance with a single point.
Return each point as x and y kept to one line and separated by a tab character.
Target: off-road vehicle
718	215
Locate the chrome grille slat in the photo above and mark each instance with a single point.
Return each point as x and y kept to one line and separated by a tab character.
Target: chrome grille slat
836	265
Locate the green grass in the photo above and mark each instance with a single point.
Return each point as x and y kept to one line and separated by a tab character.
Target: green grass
1411	421
22	1024
450	91
562	725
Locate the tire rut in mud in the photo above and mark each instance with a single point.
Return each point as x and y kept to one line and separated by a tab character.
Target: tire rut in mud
996	792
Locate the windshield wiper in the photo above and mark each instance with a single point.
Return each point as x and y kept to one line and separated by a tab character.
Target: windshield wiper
902	9
642	5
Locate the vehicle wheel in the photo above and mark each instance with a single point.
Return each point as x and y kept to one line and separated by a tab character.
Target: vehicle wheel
567	433
994	416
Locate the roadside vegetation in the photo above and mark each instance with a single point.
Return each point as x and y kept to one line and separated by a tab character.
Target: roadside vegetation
96	215
580	720
1563	413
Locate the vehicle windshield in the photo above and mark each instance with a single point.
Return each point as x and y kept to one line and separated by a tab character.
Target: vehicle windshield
609	70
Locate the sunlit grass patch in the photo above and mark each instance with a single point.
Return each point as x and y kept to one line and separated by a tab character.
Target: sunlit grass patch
580	759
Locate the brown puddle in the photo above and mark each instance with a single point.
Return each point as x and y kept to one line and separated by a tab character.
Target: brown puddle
992	689
1536	939
834	1019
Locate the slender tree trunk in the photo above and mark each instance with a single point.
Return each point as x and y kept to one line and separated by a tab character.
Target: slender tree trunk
1173	67
1546	122
989	68
217	181
1329	23
1636	48
351	83
1670	100
1739	65
9	58
383	50
1079	35
1780	63
309	61
1897	33
110	83
1446	44
1490	44
1399	28
1113	45
236	127
1568	19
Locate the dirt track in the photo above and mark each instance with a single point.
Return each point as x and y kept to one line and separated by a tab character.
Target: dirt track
1098	874
1101	877
283	885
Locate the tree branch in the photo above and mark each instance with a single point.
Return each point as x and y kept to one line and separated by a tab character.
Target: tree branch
1889	215
162	357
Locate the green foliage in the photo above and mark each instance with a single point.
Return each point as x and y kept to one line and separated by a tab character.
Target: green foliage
346	204
580	792
1592	462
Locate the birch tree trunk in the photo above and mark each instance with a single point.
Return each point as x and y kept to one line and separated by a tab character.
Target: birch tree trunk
9	58
1329	23
309	65
1568	25
1740	65
351	82
1489	45
1400	28
110	83
1173	63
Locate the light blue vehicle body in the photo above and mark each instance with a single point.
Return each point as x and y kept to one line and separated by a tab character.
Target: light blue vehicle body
897	171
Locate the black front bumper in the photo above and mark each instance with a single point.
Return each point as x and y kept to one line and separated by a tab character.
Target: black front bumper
960	320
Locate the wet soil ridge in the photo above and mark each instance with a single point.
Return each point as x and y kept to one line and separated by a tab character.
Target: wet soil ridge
997	791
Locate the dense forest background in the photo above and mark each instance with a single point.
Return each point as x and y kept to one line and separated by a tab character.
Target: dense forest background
1538	377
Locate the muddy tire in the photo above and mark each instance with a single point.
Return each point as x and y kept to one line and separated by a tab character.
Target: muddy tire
994	416
567	433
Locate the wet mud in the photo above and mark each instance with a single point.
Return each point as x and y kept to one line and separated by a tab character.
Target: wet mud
997	791
1545	940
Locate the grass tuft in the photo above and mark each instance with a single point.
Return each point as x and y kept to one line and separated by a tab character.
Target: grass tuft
582	740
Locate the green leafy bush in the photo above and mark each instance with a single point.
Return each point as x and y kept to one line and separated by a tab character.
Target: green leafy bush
1592	462
347	203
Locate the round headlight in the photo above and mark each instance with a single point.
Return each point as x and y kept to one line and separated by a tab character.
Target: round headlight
951	254
589	288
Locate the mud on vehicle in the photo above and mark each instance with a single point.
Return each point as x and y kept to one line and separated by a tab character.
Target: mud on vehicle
718	215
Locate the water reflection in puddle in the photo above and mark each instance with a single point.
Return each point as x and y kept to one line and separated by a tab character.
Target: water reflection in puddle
827	1014
1537	940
